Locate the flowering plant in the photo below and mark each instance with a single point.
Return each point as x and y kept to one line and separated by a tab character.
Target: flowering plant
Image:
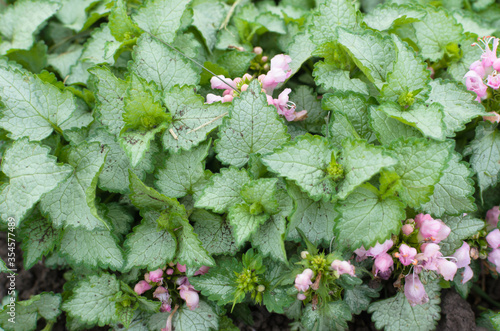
316	159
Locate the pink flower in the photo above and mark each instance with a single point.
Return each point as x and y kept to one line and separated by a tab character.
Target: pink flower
496	65
156	276
162	294
383	265
142	287
361	254
462	255
467	274
280	71
218	83
380	249
493	239
492	214
493	81
211	98
489	55
343	267
181	267
203	270
495	118
165	307
415	291
475	83
477	66
494	257
430	256
433	230
301	296
282	105
303	280
406	254
407	229
447	269
189	294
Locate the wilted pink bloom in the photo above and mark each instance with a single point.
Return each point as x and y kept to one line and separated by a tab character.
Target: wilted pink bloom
447	269
227	98
494	118
462	255
303	280
383	265
343	267
475	83
181	267
406	254
493	81
494	257
415	291
165	307
203	270
189	294
162	294
379	249
361	254
431	69
141	287
407	229
218	83
492	214
493	239
156	276
183	281
301	296
477	66
467	274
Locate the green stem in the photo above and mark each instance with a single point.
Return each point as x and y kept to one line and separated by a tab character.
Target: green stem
109	198
485	296
49	326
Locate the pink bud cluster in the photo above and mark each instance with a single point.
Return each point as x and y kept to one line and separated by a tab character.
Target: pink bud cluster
156	278
484	72
384	263
280	71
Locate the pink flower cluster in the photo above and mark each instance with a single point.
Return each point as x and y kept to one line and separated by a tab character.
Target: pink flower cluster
302	282
279	73
384	263
186	290
484	70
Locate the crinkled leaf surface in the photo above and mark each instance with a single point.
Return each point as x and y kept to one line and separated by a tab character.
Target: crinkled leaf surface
244	222
359	297
389	129
332	14
330	77
203	317
387	16
462	227
33	172
190	250
215	233
332	315
209	25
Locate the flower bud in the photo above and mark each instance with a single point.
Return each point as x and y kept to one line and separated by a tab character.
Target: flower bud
407	229
203	270
265	58
301	296
141	287
170	271
304	254
261	288
257	50
493	239
156	276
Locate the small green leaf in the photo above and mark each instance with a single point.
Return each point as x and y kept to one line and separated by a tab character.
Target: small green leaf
340	128
305	98
33	172
208	25
458	69
333	315
244	222
390	15
190	250
366	219
214	232
358	299
300	50
389	129
332	14
223	190
261	191
462	227
136	143
202	318
330	77
91	301
120	24
78	190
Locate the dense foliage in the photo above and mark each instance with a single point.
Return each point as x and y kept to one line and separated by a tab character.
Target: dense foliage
184	161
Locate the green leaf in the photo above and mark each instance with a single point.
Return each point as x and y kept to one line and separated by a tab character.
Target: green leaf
114	175
396	314
339	129
78	190
244	222
33	108
33	172
458	69
435	31
331	15
34	59
300	50
156	62
388	16
409	74
253	127
304	161
109	99
462	227
136	143
305	98
459	105
366	219
330	77
355	107
48	306
330	316
360	162
120	218
261	191
91	301
190	250
214	232
93	249
120	24
315	218
39	239
236	62
420	167
22	20
220	282
223	190
202	318
428	119
192	119
208	25
389	129
485	155
372	53
149	247
161	18
358	299
62	62
73	13
453	193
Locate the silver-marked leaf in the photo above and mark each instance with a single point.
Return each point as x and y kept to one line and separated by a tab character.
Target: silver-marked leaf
214	232
332	15
202	318
330	77
244	222
462	227
387	16
389	129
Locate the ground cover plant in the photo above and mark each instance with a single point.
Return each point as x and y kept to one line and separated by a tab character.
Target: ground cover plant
183	162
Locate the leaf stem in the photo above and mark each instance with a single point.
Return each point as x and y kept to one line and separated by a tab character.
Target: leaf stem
485	296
